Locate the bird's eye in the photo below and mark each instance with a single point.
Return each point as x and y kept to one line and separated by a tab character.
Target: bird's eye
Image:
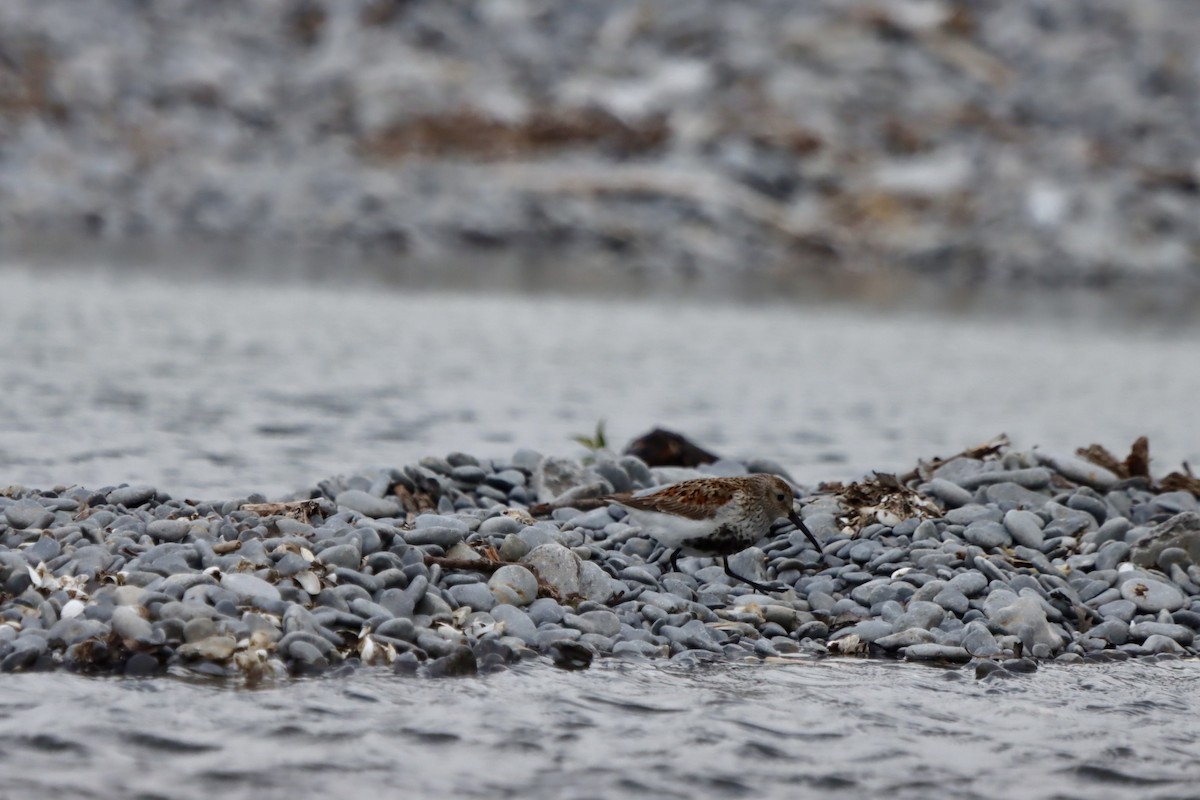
779	497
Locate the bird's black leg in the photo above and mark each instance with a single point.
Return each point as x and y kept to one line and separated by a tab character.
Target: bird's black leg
757	586
673	560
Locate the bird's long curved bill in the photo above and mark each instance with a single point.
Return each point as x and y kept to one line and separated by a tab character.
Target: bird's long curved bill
794	518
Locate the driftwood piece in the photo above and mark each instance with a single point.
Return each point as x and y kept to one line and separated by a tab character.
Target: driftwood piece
302	510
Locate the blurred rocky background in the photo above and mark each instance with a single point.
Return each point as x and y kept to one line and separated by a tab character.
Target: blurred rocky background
1028	141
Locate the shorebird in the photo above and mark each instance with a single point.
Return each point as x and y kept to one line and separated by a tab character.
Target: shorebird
714	516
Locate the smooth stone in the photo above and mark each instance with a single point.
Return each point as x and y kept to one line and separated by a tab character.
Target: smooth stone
476	596
979	641
1014	495
973	513
305	652
1115	631
443	536
132	626
1118	609
1113	529
1025	618
499	526
514	585
348	556
368	504
247	587
214	648
1161	644
168	530
987	534
598	621
468	473
952	600
67	632
1152	595
131	496
1078	470
1142	630
905	638
566	572
28	513
948	492
1025	527
545	610
936	652
919	614
1111	554
970	584
1029	478
516	622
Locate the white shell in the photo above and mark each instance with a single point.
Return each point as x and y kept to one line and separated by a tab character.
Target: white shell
309	581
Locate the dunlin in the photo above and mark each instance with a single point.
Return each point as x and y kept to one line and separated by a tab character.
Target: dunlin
714	516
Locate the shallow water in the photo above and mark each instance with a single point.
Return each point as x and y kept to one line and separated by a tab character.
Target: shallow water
841	728
215	389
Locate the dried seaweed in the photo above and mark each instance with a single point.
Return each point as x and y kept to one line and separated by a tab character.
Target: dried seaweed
1137	465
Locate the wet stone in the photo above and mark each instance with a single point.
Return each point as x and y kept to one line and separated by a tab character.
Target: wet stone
1139	631
936	652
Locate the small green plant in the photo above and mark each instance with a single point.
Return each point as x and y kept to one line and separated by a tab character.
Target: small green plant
596	442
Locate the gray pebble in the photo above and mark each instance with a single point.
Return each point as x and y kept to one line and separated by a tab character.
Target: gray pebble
1162	644
987	534
499	526
936	652
131	496
949	493
28	513
368	504
1078	470
132	626
1118	609
516	622
1152	595
248	587
952	600
476	596
514	585
970	584
1025	527
1139	631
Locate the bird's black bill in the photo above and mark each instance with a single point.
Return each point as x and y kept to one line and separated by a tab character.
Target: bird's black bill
794	518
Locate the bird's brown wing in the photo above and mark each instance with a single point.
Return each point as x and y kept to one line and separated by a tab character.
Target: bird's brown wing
689	499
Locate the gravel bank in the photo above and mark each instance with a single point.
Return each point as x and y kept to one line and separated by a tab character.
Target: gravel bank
985	141
1001	558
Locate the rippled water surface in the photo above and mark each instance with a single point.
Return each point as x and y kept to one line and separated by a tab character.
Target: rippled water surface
218	390
845	728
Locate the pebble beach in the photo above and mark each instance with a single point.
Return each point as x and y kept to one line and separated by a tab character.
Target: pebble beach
1003	562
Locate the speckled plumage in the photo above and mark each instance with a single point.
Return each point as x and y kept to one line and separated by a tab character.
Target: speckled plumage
714	516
